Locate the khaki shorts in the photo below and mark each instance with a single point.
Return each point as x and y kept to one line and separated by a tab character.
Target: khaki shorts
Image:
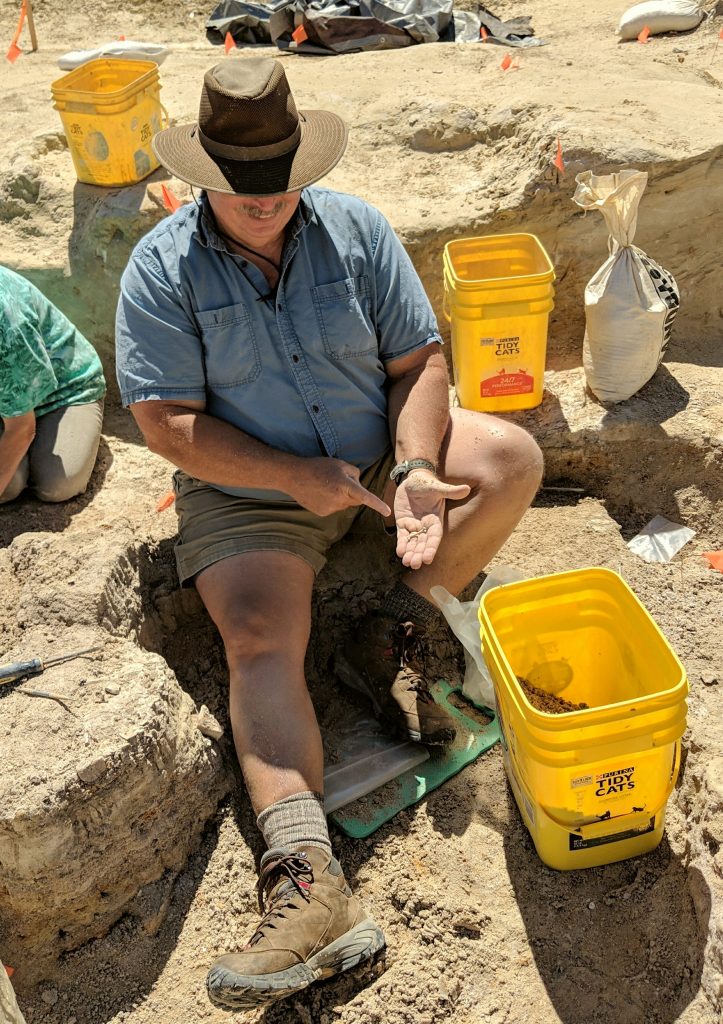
213	525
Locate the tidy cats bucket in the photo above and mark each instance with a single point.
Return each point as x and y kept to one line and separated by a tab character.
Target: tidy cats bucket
111	109
591	784
498	293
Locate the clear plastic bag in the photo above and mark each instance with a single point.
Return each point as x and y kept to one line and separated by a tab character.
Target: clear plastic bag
464	623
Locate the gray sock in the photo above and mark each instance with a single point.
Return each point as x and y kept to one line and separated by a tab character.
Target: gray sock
298	820
405	605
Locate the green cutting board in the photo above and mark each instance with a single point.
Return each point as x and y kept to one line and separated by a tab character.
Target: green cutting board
365	815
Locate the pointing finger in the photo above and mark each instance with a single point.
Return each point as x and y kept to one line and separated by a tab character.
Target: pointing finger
365	497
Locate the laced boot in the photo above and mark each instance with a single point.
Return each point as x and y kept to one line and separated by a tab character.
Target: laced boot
383	660
312	927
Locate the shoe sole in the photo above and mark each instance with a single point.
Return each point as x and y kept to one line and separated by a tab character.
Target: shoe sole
355	681
231	991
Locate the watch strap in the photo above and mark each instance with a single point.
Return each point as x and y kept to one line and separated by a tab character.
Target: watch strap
403	468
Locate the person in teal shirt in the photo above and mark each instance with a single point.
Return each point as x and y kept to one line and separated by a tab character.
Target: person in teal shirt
51	396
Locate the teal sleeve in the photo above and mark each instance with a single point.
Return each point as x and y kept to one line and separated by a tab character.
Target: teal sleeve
26	373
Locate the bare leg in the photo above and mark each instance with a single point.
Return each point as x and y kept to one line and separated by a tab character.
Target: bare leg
503	465
261	604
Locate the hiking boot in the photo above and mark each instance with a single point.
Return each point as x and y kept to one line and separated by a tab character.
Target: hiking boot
312	927
382	660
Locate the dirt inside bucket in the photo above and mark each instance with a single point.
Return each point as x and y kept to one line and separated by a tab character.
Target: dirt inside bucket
548	702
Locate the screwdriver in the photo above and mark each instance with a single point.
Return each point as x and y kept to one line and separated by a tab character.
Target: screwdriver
26	669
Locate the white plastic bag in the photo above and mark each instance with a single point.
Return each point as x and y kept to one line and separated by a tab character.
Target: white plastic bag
631	302
660	16
464	623
660	540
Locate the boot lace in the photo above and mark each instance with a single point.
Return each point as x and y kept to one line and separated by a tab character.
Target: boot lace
410	651
299	876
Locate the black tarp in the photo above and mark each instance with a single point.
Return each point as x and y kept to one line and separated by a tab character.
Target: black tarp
330	26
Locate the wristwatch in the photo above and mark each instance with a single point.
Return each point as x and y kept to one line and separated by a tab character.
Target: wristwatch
402	468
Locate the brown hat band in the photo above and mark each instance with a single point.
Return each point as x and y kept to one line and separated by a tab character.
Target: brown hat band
251	152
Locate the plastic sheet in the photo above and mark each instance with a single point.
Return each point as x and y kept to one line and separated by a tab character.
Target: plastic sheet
660	540
126	49
335	26
367	770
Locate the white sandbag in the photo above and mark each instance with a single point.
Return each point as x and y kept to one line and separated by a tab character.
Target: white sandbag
9	1009
631	302
660	16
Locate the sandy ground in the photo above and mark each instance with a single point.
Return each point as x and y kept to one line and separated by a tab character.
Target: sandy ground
477	928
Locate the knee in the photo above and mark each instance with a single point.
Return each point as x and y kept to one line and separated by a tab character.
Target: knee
62	488
511	462
252	637
14	488
525	458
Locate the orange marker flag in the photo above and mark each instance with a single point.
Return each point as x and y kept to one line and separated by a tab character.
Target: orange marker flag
121	39
643	36
165	502
9	970
558	161
714	559
299	35
506	62
14	50
170	201
229	43
483	33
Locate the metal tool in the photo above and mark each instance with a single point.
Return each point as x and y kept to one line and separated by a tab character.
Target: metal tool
50	696
26	669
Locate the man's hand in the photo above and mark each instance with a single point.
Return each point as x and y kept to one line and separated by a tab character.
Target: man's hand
419	514
325	486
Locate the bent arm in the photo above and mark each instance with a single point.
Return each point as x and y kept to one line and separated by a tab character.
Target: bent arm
219	453
17	436
418	403
211	449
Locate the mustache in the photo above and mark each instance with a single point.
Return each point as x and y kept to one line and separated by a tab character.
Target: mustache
257	213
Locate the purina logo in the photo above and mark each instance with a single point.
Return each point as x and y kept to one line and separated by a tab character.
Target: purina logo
487	341
617	781
508	347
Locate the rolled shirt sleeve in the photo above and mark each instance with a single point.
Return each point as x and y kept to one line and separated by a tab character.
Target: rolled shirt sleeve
158	349
405	320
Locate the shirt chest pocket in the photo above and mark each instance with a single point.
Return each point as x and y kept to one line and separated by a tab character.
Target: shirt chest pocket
230	350
344	318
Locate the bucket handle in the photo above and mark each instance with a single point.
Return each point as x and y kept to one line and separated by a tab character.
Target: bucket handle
165	118
445	310
627	822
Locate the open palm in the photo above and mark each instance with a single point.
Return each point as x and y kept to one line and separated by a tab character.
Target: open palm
419	515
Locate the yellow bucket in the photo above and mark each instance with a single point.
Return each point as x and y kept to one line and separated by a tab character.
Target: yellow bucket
110	110
498	294
591	785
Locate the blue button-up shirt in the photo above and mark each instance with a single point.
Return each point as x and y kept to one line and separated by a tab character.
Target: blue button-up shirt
304	371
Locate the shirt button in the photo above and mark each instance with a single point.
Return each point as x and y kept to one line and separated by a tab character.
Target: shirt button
281	308
295	358
244	263
315	408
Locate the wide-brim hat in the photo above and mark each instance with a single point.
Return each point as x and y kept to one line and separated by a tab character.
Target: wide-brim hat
250	139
